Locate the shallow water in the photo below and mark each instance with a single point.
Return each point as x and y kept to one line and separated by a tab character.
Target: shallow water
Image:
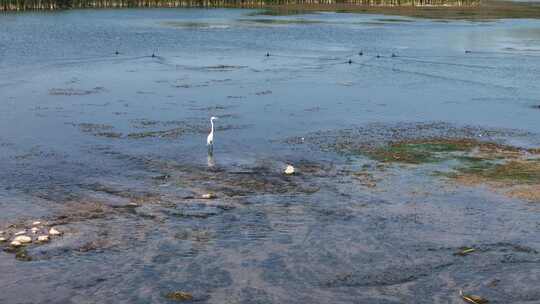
110	148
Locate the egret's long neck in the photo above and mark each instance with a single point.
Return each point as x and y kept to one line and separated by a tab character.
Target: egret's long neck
212	123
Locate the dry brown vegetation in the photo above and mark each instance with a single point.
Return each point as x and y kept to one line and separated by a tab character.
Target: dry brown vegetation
486	10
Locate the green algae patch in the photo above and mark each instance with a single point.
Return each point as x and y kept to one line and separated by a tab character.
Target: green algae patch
513	171
437	150
419	152
513	177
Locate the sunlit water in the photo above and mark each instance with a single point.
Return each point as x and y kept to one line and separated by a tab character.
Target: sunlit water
83	126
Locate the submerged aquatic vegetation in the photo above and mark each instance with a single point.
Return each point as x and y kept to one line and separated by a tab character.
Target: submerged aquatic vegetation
417	152
518	178
441	149
513	171
468	155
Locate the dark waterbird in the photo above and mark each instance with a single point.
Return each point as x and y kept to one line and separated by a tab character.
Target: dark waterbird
267	54
360	53
394	55
350	61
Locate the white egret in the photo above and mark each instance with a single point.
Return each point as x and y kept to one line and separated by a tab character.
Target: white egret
210	138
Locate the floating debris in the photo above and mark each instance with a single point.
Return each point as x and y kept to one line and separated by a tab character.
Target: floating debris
465	251
472	298
208	196
74	92
267	92
179	296
289	170
54	232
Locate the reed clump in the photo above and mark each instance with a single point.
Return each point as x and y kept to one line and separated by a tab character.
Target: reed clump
21	5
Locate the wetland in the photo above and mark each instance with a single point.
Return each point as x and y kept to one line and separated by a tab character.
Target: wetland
415	145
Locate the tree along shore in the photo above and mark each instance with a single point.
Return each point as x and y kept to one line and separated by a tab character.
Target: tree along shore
22	5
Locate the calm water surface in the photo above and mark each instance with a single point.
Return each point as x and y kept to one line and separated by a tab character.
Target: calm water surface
110	148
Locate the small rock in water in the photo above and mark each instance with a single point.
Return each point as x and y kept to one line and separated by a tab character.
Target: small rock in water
36	223
2	239
20	232
34	230
23	239
289	170
208	196
54	232
15	243
43	238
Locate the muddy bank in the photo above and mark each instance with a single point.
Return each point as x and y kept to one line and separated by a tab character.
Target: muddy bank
484	10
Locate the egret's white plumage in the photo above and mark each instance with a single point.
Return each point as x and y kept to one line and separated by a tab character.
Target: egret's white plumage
210	138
